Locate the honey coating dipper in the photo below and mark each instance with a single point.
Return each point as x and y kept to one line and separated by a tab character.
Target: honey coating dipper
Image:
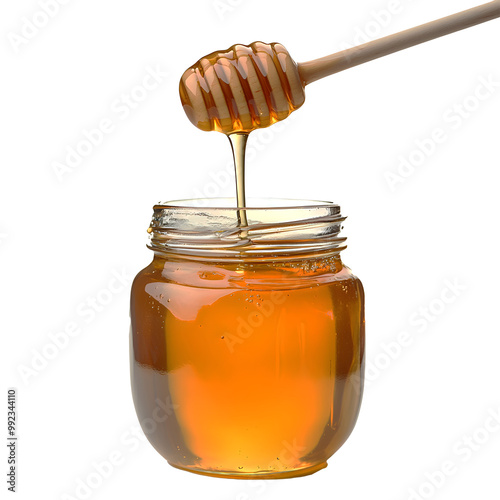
254	86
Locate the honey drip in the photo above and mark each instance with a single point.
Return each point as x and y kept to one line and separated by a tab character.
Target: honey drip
238	145
239	90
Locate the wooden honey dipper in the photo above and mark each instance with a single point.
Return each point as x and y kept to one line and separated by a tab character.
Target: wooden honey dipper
254	86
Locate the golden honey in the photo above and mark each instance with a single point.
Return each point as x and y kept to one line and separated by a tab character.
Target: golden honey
247	352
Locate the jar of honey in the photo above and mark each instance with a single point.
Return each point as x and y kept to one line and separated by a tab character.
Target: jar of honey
247	342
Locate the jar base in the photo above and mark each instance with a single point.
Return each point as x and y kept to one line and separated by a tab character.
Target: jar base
306	471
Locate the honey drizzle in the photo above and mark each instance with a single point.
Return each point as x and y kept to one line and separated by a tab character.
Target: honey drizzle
238	145
236	127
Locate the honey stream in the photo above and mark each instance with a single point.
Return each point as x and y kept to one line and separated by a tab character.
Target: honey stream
238	146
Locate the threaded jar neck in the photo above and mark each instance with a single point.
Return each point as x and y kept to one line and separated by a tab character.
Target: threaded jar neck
277	229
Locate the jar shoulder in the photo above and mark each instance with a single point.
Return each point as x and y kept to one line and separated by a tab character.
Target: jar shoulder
213	275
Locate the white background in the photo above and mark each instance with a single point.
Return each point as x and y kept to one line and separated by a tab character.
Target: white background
63	237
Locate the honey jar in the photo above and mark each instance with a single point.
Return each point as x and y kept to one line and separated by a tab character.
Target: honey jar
247	343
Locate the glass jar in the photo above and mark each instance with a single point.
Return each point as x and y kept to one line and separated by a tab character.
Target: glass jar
247	344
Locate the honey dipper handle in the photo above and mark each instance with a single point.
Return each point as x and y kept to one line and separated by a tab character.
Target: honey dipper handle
325	66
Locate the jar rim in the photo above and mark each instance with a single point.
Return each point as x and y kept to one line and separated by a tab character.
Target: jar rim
252	204
280	228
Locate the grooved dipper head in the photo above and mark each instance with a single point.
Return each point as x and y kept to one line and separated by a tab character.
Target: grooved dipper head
242	89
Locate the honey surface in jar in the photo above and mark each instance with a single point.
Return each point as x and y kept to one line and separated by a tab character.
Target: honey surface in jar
243	369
